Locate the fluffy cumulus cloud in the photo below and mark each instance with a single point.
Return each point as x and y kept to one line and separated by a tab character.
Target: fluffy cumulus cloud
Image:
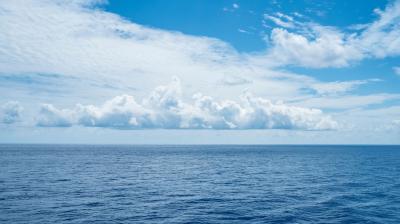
328	47
11	112
313	45
165	109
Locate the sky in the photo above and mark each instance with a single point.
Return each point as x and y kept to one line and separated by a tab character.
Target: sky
200	72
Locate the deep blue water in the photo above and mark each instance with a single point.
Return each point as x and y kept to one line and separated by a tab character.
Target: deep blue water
199	184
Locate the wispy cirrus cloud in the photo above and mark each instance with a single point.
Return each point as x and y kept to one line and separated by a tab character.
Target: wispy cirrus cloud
336	88
347	102
282	20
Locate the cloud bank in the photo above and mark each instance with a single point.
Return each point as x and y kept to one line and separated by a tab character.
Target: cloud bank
164	108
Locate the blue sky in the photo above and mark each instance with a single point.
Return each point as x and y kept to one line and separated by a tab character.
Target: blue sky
182	72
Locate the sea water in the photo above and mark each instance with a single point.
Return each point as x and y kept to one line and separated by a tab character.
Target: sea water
199	184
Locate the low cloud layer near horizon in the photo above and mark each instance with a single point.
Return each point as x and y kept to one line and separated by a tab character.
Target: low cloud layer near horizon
165	109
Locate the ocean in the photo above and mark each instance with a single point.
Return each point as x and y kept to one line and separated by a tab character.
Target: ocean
199	184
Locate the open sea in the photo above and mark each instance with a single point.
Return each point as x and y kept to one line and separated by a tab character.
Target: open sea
199	184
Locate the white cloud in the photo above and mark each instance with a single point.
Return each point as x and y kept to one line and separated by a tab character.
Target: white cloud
373	121
92	44
51	116
233	8
319	46
281	20
335	88
392	126
299	15
11	112
243	31
234	80
382	37
165	109
347	101
328	47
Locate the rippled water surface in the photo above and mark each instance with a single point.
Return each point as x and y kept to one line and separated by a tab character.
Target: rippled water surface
199	184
